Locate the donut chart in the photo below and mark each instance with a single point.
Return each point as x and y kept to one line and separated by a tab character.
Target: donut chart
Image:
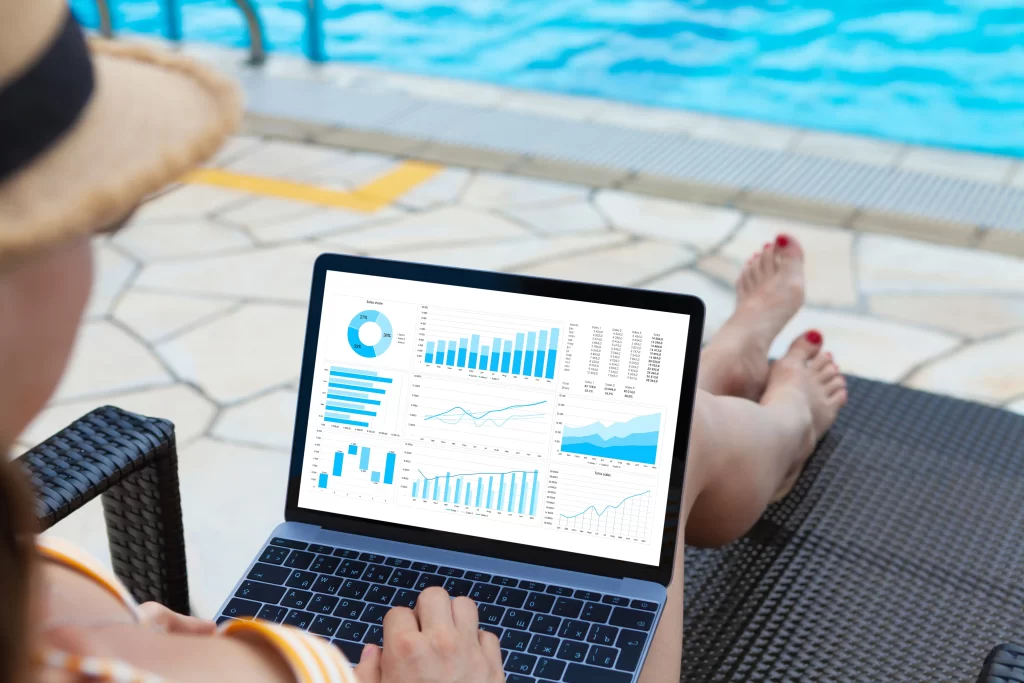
360	319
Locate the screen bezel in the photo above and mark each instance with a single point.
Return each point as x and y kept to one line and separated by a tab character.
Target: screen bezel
516	284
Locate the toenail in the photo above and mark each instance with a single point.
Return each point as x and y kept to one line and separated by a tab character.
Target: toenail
767	245
814	337
782	240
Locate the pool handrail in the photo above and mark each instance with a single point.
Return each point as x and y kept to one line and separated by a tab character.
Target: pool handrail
172	25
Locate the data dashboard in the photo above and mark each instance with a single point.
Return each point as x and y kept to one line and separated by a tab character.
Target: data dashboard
536	420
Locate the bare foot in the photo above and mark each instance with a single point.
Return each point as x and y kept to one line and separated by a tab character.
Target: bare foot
807	382
769	291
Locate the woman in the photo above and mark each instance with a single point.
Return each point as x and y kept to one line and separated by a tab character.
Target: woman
83	142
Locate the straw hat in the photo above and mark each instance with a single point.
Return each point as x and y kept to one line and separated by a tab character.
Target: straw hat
83	142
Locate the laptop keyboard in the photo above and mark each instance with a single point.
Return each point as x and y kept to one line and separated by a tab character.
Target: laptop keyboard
547	632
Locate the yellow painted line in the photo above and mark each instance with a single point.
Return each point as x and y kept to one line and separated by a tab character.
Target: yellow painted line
374	195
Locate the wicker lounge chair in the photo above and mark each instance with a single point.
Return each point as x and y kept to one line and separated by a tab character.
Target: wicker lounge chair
899	556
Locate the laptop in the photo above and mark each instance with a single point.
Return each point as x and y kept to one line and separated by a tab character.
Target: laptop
518	440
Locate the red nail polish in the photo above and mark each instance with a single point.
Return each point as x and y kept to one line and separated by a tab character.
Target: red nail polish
767	244
814	337
782	241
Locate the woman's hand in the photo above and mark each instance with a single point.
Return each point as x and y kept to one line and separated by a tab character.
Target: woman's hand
172	622
439	642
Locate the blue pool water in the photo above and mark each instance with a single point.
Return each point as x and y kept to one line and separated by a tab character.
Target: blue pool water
940	72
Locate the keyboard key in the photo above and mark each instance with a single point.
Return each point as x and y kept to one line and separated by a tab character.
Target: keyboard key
321	549
380	595
559	590
644	604
484	592
405	598
403	578
615	600
324	626
346	553
516	678
352	630
505	581
322	604
491	614
574	630
325	564
274	613
458	587
581	673
631	645
538	602
377	573
602	656
349	609
424	567
242	609
268	573
301	579
372	557
427	580
549	669
545	624
478	576
543	645
496	630
327	584
567	607
511	597
504	655
299	619
299	559
375	635
450	571
517	618
519	663
353	589
351	569
352	651
587	595
222	619
296	599
287	543
274	555
397	562
632	618
573	651
515	640
602	635
595	611
264	592
533	586
374	614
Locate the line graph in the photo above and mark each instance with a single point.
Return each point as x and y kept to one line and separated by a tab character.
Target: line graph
616	505
458	415
463	413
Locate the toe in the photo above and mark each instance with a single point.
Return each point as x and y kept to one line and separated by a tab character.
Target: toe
788	248
768	265
806	346
821	361
835	385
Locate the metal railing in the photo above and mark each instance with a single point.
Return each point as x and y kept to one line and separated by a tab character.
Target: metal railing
170	12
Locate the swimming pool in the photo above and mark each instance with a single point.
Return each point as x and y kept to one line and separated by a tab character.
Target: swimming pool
938	72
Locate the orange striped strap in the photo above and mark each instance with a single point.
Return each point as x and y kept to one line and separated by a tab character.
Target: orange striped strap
311	659
95	668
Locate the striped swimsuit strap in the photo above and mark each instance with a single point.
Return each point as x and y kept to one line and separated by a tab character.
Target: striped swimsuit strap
311	659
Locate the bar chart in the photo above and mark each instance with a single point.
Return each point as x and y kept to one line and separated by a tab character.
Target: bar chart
355	466
490	344
510	492
360	397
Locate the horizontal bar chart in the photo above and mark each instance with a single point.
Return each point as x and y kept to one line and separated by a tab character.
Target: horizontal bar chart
354	396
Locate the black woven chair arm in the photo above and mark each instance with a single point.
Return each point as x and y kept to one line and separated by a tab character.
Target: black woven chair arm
132	462
1005	664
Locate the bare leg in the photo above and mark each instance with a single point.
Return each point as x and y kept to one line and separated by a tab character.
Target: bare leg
769	291
734	473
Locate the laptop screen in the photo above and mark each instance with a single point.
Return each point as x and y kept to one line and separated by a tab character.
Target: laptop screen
537	420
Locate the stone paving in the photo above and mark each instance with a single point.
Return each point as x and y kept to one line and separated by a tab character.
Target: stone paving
200	305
